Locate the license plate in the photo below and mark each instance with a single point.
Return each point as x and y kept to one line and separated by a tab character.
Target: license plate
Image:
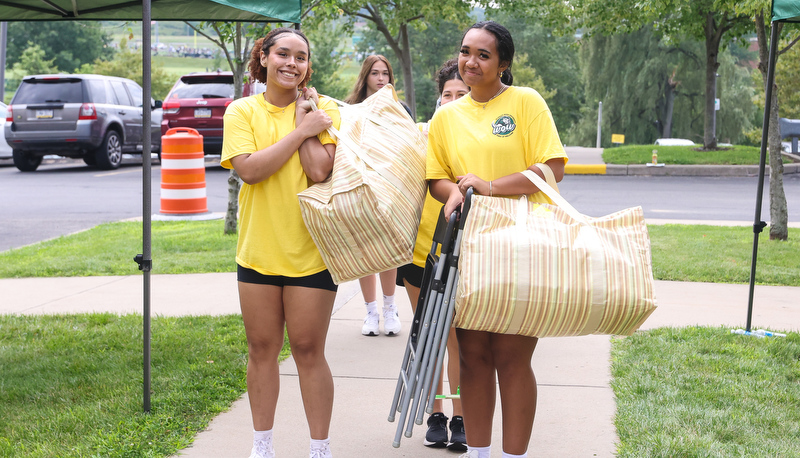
44	114
202	112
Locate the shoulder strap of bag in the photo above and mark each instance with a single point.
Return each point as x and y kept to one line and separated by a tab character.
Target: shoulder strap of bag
548	175
352	146
554	196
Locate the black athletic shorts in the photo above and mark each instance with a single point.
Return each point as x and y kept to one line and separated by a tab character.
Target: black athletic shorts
412	273
321	280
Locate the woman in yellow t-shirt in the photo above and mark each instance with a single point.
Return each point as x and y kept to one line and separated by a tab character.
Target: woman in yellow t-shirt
483	141
376	72
451	88
278	146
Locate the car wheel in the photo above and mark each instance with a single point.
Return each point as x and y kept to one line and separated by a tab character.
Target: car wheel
26	162
109	155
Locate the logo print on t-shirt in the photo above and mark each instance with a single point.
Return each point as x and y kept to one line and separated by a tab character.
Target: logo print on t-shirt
504	126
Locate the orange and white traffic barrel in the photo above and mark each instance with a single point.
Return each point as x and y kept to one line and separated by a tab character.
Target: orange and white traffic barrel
183	172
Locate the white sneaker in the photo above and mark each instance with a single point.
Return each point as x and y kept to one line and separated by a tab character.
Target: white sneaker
469	454
371	327
391	322
324	452
262	449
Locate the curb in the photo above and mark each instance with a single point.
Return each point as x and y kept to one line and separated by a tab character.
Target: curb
673	170
585	169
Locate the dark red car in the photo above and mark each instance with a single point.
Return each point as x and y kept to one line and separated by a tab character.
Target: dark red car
198	100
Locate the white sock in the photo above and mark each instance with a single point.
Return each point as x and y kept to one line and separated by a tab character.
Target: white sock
262	435
372	307
388	301
320	444
483	452
508	455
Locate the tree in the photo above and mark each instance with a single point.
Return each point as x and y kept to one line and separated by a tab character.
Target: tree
69	44
327	59
715	22
31	62
429	50
127	63
555	59
779	214
640	79
239	36
394	19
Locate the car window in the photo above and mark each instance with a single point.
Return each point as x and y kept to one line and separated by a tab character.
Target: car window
120	93
136	94
3	111
202	90
52	91
99	91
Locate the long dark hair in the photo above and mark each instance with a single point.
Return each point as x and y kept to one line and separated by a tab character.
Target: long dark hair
258	71
505	46
359	92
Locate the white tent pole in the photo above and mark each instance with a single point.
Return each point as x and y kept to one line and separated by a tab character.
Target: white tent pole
759	225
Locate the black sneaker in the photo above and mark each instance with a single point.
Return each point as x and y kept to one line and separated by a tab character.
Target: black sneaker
458	438
437	431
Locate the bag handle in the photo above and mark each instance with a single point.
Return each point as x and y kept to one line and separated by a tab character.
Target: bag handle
589	239
352	146
554	195
549	176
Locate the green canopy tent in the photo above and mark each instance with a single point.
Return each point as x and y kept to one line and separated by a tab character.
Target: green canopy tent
782	11
288	11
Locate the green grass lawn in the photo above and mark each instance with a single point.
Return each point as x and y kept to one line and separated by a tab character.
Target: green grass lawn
682	155
72	385
703	391
680	252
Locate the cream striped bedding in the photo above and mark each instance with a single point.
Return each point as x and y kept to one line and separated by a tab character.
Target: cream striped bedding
546	270
364	217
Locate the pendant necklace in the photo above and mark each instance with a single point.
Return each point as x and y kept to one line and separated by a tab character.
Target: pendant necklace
502	88
282	109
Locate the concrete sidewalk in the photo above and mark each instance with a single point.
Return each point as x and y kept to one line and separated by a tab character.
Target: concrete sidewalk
575	407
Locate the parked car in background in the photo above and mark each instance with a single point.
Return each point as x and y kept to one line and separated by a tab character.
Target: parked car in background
198	101
93	117
5	150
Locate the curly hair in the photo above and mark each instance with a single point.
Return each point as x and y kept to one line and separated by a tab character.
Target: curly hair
360	89
258	71
449	71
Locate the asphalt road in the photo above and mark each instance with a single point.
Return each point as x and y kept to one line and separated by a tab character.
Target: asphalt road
67	196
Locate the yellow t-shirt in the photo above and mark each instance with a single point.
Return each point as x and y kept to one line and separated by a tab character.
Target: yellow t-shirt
273	240
513	132
427	223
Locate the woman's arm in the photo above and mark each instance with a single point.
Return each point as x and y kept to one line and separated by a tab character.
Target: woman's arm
260	165
510	185
448	193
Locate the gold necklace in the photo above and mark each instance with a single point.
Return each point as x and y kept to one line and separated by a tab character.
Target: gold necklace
502	88
283	109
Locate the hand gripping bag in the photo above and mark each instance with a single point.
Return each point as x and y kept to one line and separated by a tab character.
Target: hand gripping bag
545	270
364	217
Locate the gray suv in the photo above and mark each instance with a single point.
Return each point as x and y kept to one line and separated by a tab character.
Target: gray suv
93	117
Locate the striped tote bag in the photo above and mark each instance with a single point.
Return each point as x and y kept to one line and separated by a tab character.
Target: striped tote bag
364	217
545	270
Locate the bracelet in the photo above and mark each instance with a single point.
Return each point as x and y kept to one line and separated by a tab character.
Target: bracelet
490	188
